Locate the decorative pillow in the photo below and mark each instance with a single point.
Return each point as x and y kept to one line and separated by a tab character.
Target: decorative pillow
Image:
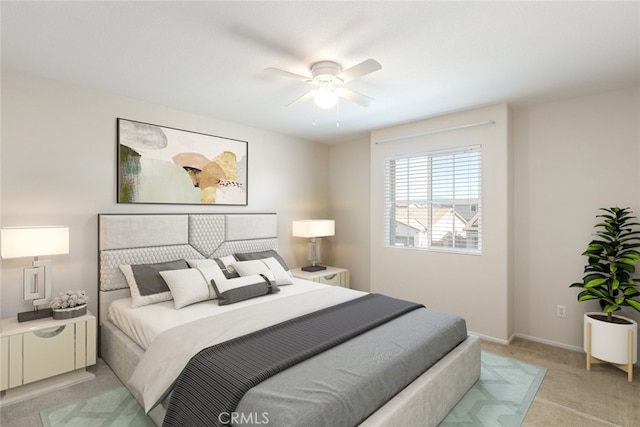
230	291
270	253
223	262
192	285
146	284
262	266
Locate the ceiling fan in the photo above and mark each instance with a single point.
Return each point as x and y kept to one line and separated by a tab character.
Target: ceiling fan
328	79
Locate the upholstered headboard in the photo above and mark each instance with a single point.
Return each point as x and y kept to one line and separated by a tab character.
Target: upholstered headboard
151	238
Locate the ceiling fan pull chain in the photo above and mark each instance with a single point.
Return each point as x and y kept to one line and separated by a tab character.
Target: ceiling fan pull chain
338	113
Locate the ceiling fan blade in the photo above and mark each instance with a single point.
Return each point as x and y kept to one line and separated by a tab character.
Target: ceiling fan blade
288	74
359	70
304	97
353	96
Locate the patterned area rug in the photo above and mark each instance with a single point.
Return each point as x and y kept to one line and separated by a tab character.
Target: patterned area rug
502	395
115	407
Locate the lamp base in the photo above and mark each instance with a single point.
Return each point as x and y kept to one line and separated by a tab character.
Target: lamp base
312	268
34	314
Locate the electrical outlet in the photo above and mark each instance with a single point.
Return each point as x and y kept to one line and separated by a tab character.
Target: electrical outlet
561	311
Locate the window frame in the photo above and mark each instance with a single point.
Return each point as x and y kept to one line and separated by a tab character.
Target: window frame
424	164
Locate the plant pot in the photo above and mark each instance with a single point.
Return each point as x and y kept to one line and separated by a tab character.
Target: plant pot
610	341
69	313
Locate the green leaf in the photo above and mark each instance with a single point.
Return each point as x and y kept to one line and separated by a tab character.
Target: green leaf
586	297
633	303
631	254
626	267
595	275
627	260
615	284
597	293
631	292
609	308
595	282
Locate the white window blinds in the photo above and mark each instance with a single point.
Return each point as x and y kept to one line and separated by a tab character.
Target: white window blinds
433	200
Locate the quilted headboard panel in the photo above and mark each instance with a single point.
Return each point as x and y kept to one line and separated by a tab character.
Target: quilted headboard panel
151	238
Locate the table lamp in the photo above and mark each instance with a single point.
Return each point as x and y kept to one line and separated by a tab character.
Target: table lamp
314	229
20	242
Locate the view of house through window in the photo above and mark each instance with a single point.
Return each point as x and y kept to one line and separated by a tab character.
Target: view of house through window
433	200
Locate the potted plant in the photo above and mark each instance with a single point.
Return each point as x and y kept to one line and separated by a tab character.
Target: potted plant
608	278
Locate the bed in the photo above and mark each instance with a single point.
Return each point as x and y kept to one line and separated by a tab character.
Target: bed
336	386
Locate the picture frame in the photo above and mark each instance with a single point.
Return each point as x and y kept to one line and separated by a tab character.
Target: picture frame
160	164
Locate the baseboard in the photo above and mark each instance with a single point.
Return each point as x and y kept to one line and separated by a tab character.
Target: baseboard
549	342
489	338
530	338
556	344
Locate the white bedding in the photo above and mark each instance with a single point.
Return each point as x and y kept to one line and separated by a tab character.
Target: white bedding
144	324
171	350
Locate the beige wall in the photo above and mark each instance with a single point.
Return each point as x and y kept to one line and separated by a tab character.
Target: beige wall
59	167
476	287
571	157
350	201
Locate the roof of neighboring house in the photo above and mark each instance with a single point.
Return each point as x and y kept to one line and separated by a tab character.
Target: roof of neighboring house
416	216
473	224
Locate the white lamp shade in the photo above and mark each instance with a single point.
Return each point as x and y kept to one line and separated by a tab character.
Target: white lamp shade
19	242
313	228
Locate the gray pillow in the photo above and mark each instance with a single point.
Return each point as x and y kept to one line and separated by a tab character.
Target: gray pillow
148	276
269	253
243	288
225	270
146	284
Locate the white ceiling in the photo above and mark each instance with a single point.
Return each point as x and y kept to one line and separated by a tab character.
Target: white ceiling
437	57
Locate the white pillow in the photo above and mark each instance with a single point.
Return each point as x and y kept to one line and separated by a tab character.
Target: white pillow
192	285
205	262
225	260
263	266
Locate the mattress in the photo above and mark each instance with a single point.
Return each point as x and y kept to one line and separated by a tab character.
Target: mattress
346	384
169	352
144	324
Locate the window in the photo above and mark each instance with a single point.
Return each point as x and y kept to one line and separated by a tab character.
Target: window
433	200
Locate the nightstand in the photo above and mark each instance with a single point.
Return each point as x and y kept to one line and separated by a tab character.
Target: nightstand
331	276
43	355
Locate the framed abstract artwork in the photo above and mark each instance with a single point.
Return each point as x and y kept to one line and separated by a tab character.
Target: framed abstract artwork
158	164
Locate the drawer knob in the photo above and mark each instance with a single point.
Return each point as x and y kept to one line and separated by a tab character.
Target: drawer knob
50	333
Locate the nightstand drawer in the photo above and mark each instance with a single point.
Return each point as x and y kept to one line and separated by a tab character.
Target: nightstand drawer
48	352
336	279
330	276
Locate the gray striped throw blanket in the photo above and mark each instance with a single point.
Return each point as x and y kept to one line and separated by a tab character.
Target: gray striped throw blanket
214	381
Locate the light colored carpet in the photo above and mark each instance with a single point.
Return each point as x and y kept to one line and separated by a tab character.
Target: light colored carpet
501	397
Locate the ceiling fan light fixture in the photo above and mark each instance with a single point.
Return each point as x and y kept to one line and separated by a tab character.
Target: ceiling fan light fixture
328	78
325	97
